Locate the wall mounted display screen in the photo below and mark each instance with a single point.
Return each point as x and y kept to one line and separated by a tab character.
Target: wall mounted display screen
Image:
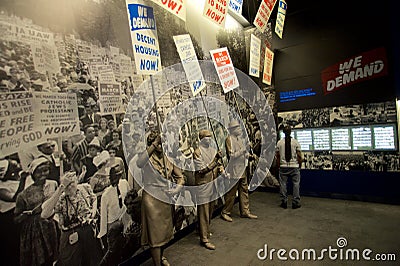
321	138
384	137
341	139
347	138
362	138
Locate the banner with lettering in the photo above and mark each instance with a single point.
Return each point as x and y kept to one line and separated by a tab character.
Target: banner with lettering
125	66
280	18
236	6
263	14
146	50
56	113
225	69
45	58
216	10
190	64
106	73
110	98
176	7
20	33
268	63
255	50
366	66
18	126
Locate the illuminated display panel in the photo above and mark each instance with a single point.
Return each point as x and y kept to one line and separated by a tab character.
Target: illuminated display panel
321	139
362	138
384	137
341	139
305	139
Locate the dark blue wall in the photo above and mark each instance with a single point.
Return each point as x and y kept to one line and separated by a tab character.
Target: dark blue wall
380	187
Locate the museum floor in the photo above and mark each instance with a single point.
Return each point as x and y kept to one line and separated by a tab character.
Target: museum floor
317	225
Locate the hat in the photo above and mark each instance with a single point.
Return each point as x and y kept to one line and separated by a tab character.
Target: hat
68	178
36	163
204	133
101	158
95	143
233	124
110	121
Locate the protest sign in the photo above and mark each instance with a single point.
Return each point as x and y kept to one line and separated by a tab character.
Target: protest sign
125	66
110	98
176	7
56	113
280	18
236	6
263	14
268	62
21	33
146	50
225	69
106	73
45	58
255	49
216	10
190	64
18	125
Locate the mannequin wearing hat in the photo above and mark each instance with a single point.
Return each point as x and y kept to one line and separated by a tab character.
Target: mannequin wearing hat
237	170
206	160
157	224
38	239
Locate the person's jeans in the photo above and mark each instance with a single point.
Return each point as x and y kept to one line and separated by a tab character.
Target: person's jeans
284	174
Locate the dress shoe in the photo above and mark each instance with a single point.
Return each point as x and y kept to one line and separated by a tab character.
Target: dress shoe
208	245
226	217
283	205
249	215
164	261
296	206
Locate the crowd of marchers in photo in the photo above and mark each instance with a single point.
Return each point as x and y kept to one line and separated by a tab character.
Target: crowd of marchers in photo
77	201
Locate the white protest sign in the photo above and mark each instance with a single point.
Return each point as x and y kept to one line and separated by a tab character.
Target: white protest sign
176	7
236	6
216	10
45	58
146	50
255	49
263	14
56	113
125	66
110	98
268	62
225	69
20	33
18	125
280	18
190	64
106	73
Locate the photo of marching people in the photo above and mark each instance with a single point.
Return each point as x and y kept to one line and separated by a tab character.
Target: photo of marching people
372	113
71	188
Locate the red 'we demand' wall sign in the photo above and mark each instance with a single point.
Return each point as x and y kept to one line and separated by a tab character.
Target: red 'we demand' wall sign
366	66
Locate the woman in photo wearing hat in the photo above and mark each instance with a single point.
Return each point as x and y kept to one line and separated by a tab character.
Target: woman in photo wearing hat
157	225
38	239
76	207
90	168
